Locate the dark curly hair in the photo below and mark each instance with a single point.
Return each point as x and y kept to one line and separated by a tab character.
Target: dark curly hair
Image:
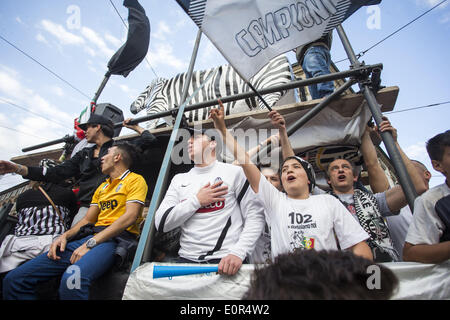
319	275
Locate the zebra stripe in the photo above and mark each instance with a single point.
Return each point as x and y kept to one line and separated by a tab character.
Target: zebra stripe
162	94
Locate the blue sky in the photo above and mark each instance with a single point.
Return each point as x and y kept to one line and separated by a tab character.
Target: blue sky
78	50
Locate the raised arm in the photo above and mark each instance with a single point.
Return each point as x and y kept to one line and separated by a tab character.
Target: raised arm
251	171
279	122
395	197
377	178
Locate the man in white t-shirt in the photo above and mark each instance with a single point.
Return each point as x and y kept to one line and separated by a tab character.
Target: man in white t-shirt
219	218
428	238
399	224
297	220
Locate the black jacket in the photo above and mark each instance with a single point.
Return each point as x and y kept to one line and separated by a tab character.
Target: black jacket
85	168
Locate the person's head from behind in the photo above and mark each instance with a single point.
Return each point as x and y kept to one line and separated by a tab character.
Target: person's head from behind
201	147
438	149
341	176
423	171
272	175
96	127
121	155
297	177
321	275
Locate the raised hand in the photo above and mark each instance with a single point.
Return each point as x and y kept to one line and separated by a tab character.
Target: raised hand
277	119
218	116
386	125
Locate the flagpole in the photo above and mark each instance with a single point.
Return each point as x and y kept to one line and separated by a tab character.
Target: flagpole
102	86
143	251
253	89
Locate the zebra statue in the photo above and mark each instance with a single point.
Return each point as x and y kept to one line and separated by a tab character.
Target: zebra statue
163	94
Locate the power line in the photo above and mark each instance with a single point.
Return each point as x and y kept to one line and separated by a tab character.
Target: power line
126	26
421	107
46	68
27	110
359	55
28	134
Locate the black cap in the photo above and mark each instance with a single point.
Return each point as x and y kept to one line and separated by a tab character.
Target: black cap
97	119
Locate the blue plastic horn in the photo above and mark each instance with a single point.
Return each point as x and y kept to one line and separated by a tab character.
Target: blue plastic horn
174	271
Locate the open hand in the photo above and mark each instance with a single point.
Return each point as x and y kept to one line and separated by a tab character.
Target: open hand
211	193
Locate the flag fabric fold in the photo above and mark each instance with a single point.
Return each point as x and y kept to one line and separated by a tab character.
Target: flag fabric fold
135	48
249	33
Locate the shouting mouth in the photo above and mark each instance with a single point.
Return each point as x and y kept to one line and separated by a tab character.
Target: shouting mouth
290	178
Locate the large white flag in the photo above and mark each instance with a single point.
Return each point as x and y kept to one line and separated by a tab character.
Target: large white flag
251	32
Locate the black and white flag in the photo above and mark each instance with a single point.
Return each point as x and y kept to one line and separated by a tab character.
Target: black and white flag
249	33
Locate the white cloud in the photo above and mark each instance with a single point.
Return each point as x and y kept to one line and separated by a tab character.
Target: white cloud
57	91
416	151
162	30
41	38
12	89
97	40
164	56
65	37
124	88
113	40
431	3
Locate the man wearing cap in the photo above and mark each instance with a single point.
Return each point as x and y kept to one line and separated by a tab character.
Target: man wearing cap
84	166
90	248
297	219
220	221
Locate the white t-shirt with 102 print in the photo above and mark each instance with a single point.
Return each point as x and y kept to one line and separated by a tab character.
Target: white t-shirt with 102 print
308	223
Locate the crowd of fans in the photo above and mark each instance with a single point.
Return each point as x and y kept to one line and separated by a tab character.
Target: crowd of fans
313	243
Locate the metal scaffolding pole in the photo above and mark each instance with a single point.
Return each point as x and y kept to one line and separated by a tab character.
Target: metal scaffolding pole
144	248
394	154
356	72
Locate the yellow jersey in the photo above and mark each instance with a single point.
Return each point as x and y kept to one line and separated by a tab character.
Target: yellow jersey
111	198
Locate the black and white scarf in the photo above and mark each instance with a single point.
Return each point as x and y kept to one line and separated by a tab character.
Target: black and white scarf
371	220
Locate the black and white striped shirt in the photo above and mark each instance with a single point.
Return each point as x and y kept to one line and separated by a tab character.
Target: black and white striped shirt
36	216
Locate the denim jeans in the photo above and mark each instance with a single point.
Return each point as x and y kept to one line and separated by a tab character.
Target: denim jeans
316	62
20	283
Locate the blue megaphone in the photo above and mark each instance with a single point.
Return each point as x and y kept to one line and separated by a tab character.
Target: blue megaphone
173	271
